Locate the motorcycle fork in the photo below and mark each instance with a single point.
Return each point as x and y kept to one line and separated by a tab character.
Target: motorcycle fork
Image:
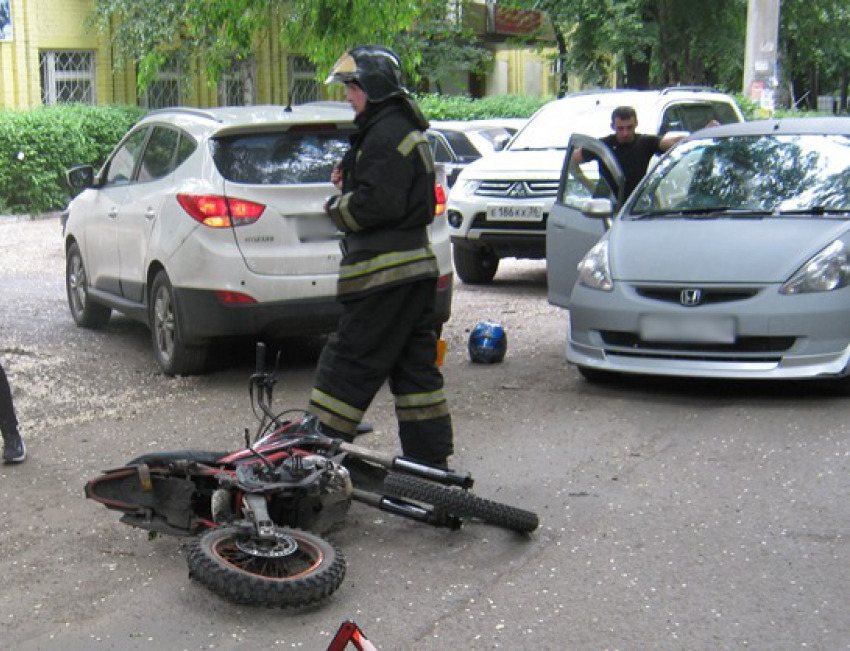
256	509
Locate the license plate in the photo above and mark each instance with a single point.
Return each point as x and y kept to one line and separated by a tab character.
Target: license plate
704	330
528	213
317	228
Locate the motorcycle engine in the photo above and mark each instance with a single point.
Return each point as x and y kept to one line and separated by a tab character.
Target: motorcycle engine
320	495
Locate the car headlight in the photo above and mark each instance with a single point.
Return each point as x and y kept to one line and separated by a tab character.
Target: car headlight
826	271
594	271
464	188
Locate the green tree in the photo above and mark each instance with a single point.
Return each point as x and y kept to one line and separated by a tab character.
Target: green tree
641	43
213	34
441	45
815	49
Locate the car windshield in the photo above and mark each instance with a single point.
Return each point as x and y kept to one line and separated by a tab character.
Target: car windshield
746	176
285	158
553	126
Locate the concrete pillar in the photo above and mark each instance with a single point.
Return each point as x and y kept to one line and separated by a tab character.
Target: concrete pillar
761	73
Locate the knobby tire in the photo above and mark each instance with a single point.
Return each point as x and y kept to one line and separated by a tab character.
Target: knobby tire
461	503
309	574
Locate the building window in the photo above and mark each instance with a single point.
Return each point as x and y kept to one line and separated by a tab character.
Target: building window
454	13
236	86
67	77
165	90
303	86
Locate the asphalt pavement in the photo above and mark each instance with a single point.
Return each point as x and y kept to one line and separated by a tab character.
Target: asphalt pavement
675	514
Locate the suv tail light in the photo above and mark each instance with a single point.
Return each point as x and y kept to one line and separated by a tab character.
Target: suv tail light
220	212
440	194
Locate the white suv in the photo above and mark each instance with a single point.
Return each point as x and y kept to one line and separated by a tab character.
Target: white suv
211	223
499	205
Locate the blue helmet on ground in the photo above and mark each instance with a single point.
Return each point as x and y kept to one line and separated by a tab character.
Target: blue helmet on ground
488	343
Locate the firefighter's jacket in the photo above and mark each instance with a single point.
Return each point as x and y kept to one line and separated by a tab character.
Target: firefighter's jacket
387	201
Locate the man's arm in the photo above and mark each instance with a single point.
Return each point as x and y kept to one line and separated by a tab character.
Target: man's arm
673	137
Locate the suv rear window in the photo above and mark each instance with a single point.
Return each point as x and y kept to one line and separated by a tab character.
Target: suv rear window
464	150
280	158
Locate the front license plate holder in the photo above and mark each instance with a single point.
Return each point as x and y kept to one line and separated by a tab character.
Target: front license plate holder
522	213
688	329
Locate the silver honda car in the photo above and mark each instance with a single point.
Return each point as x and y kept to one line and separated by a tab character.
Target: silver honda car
730	260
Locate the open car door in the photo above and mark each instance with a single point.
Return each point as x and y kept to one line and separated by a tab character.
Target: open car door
570	232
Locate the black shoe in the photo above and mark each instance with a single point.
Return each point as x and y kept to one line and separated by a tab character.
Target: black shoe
14	450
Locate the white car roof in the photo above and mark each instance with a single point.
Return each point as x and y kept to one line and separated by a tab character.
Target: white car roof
238	119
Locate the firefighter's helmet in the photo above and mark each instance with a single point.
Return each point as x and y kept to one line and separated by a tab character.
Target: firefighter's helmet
375	69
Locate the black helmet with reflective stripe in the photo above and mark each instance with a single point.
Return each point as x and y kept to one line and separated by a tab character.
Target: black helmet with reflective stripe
375	69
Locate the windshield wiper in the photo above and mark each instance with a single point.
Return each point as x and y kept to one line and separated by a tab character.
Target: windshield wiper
696	212
813	210
537	148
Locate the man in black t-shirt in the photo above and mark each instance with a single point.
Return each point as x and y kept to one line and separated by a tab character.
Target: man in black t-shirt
632	150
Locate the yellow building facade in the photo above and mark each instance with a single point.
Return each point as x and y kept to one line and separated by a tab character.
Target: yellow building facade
50	54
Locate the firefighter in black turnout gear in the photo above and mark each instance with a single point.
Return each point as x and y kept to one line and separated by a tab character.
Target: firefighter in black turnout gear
388	274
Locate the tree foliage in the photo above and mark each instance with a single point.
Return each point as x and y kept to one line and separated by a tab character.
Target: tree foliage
440	44
815	48
641	43
215	34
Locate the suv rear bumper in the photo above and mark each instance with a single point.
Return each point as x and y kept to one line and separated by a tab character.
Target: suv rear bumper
203	317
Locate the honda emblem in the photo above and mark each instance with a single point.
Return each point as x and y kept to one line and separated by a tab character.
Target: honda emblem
690	297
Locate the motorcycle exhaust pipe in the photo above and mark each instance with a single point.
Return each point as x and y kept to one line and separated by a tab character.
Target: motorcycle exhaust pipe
424	470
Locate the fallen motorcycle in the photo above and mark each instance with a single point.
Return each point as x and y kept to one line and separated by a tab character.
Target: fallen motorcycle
258	514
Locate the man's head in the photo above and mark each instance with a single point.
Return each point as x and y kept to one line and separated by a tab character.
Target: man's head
624	123
371	70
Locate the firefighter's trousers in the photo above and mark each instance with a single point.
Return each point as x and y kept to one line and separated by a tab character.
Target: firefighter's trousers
387	335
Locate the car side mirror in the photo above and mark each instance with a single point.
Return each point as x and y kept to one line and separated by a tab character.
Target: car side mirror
499	142
598	208
80	177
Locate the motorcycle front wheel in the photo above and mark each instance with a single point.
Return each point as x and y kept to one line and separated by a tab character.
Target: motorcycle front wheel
461	503
297	568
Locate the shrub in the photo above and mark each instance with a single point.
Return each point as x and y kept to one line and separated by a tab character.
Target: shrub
455	107
37	146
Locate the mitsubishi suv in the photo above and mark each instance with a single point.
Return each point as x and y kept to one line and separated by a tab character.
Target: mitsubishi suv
499	205
209	223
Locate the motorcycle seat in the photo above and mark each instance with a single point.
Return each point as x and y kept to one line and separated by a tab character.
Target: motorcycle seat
206	457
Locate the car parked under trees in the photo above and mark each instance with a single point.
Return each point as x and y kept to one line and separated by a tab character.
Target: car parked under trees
210	223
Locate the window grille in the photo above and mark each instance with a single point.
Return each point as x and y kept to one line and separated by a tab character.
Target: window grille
67	77
303	86
236	86
166	89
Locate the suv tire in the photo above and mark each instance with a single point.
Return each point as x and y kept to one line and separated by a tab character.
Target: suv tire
173	355
475	266
86	313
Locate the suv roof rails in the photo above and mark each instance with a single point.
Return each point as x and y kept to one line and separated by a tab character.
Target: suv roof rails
698	89
188	111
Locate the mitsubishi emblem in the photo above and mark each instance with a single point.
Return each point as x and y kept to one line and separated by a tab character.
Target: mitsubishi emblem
690	297
518	189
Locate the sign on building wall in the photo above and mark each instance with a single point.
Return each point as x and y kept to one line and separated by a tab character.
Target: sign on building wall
5	20
512	22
